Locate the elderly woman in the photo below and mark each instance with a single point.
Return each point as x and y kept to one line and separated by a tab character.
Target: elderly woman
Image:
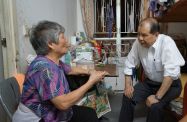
46	95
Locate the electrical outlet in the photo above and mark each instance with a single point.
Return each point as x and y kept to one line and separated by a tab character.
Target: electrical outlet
25	30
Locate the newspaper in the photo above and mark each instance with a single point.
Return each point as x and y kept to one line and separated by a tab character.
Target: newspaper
177	105
98	102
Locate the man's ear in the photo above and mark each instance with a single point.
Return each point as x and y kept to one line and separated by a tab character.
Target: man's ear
156	34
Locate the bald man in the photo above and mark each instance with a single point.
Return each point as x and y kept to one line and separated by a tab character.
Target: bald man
161	61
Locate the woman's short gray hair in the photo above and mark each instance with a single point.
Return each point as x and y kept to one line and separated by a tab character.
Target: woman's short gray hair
44	33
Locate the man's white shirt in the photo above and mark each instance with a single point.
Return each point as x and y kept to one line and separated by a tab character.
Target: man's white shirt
161	59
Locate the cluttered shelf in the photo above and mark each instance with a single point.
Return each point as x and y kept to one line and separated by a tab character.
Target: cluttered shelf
177	13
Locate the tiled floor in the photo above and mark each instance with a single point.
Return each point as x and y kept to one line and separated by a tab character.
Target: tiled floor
115	102
140	111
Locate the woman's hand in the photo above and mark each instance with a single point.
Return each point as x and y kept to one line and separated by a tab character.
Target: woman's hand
90	71
96	76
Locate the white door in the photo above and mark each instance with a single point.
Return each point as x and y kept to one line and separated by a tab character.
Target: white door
1	41
1	60
7	39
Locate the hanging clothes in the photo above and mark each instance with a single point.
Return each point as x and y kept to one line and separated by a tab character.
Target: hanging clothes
102	16
153	5
163	0
109	19
132	11
131	17
98	19
158	8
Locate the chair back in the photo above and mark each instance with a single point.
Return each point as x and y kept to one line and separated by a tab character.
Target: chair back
9	96
20	79
185	100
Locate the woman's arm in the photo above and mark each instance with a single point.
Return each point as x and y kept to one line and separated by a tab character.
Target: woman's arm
65	101
79	70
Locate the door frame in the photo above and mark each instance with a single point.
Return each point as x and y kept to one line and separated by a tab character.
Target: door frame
9	31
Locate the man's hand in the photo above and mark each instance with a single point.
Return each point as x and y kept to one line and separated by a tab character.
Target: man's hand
129	91
151	100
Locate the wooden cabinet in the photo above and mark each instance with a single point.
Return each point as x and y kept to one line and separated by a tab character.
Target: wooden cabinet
177	13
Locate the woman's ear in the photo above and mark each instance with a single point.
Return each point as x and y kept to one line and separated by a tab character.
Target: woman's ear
50	45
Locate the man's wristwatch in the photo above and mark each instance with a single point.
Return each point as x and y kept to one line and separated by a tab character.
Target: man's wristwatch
156	97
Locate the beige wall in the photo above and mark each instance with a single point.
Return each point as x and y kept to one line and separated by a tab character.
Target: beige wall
178	28
29	12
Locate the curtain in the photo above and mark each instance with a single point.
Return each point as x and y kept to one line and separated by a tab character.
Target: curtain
144	9
87	10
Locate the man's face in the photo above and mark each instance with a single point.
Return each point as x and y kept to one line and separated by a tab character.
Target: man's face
146	38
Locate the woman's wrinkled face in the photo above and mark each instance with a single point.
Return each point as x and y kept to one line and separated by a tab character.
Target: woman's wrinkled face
146	38
62	46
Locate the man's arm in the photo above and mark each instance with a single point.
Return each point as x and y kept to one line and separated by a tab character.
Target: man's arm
131	61
167	81
184	119
128	91
171	60
166	84
128	80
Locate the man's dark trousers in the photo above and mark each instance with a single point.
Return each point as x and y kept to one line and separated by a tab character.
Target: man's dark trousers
141	91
